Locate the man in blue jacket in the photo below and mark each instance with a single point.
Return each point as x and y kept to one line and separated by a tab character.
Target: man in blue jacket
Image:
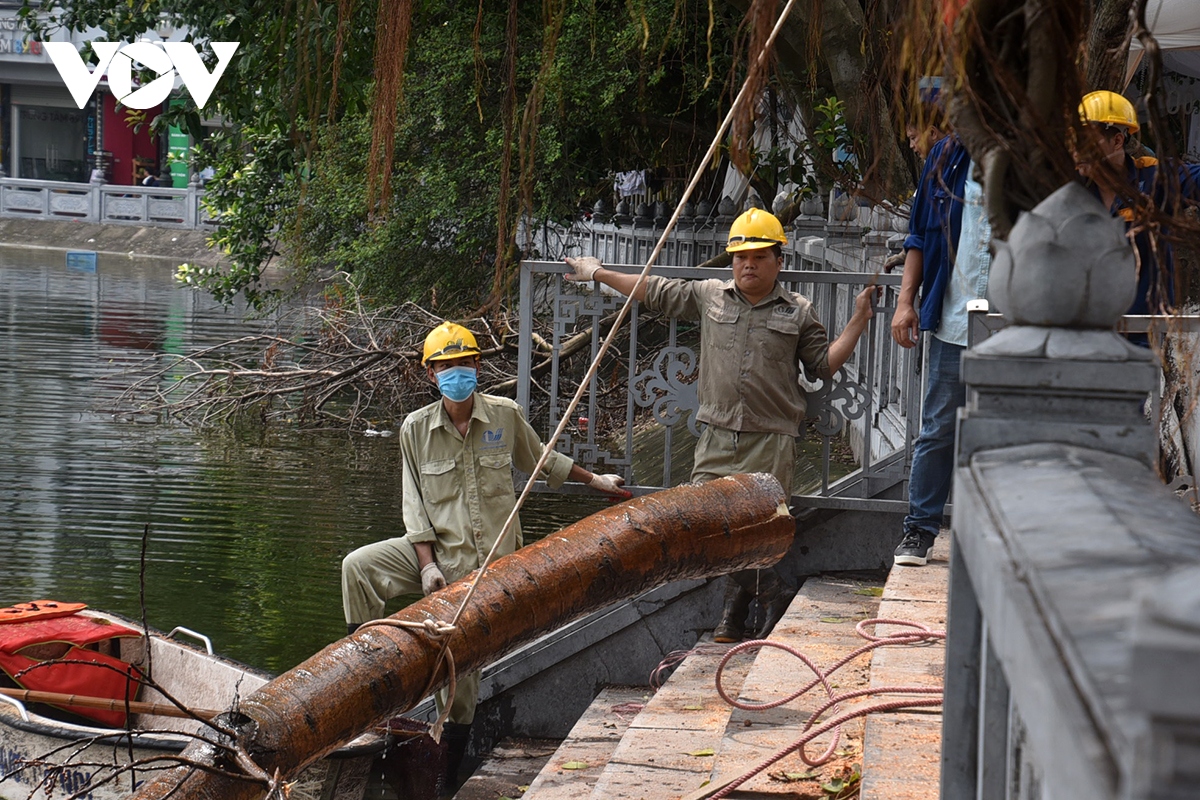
947	262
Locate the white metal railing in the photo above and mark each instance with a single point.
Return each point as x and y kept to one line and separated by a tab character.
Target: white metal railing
21	198
872	400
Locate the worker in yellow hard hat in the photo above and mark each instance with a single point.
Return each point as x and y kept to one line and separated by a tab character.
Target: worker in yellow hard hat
1112	120
1117	179
458	453
754	337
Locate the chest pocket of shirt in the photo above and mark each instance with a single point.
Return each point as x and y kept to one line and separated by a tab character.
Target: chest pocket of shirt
438	481
939	196
781	336
495	475
721	326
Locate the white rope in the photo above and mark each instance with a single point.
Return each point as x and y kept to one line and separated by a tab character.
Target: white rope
621	315
435	629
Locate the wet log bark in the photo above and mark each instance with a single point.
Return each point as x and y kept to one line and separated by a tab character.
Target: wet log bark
359	682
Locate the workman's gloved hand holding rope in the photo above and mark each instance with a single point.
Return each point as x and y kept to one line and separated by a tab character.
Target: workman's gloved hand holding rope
432	578
610	484
584	268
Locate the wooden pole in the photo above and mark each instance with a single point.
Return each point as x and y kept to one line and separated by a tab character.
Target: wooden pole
105	703
693	531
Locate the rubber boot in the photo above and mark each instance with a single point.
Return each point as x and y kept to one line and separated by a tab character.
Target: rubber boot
773	599
455	736
351	627
732	626
414	765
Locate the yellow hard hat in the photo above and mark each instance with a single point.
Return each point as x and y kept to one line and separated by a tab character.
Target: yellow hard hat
755	230
1108	108
449	341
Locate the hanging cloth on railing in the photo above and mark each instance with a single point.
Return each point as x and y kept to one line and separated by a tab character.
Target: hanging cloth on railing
626	184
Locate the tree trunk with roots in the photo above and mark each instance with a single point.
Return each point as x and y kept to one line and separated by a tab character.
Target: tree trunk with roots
1016	60
828	48
1107	49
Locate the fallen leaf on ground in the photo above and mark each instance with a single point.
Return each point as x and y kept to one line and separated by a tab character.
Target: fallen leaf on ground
575	765
792	777
708	751
870	591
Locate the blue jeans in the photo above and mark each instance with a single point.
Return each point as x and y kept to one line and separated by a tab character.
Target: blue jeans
933	454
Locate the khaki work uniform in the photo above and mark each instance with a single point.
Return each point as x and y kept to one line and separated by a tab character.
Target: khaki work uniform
750	357
458	493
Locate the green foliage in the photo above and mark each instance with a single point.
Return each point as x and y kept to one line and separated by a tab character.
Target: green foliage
602	86
607	104
273	96
832	144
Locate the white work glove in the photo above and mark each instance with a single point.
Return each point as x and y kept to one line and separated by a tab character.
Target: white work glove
432	578
609	484
584	268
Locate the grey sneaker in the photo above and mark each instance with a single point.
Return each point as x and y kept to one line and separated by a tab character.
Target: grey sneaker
914	550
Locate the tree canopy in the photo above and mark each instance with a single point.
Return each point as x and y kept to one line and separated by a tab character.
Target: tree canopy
407	142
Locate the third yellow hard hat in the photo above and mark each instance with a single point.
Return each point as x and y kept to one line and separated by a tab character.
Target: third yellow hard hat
1108	108
754	230
449	340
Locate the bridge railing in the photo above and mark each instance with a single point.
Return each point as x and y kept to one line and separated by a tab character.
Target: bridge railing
637	416
104	203
1073	630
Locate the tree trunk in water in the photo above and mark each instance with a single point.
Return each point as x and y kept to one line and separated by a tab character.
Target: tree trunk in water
359	682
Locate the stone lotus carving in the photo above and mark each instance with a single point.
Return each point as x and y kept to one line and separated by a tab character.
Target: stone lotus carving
1066	264
1063	280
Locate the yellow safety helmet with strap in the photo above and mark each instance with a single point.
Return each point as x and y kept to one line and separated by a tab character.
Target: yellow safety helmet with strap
1108	108
449	341
755	230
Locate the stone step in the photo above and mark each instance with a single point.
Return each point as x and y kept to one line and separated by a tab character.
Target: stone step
903	749
819	623
663	753
589	745
509	768
639	747
669	746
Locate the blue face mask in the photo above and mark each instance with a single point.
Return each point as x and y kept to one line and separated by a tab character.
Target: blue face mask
457	383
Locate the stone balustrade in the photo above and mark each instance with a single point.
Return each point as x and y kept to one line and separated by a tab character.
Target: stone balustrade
1074	615
105	203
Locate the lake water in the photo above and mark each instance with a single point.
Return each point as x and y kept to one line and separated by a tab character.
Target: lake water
247	528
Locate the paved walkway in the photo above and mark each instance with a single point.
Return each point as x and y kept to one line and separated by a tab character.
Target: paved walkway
685	742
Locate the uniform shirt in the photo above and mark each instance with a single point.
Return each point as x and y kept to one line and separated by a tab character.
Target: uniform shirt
458	491
749	355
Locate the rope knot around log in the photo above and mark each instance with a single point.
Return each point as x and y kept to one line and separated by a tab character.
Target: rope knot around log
435	628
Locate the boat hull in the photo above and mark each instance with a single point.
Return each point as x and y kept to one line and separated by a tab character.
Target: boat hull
77	767
47	758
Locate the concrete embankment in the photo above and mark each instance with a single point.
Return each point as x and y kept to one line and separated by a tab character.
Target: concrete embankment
130	240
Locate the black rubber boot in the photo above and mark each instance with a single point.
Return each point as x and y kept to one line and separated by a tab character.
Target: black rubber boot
774	596
738	595
455	736
351	627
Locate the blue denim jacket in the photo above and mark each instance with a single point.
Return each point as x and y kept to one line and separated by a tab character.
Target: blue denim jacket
936	221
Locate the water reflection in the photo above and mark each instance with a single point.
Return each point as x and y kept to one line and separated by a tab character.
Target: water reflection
246	527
